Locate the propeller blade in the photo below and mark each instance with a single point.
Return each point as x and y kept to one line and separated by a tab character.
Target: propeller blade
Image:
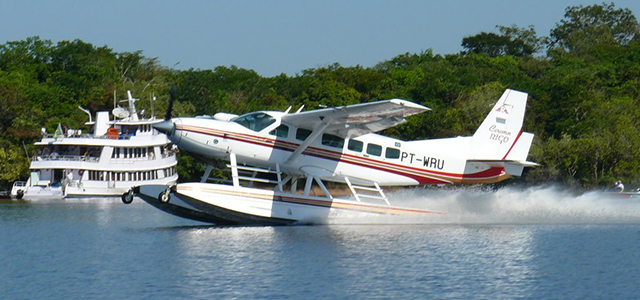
172	97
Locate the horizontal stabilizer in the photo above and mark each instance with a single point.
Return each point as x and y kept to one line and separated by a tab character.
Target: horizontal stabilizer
511	167
520	150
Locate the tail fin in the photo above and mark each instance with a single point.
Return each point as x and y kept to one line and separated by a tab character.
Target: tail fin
501	129
500	136
499	141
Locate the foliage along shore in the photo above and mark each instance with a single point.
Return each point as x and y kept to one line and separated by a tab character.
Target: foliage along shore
583	82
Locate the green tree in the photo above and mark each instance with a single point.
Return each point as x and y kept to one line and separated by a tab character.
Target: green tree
13	163
586	26
513	41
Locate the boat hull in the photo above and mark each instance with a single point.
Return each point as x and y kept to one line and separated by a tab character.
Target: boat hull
37	193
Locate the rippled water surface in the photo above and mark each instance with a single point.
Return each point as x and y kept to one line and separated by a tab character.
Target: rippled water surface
538	243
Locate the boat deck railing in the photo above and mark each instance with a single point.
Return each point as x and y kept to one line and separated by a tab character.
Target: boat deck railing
20	184
89	136
53	157
91	159
121	136
132	160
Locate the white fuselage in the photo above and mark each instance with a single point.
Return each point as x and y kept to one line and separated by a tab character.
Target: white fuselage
364	159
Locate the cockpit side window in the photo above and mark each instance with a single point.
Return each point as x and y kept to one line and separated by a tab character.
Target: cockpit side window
282	131
255	121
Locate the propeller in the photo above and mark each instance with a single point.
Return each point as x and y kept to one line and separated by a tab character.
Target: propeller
167	125
172	97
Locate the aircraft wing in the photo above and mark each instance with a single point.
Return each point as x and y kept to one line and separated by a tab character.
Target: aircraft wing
358	119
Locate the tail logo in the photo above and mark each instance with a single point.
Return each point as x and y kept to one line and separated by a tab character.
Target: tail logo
505	108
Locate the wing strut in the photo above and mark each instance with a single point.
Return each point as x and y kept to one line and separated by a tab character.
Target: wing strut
314	134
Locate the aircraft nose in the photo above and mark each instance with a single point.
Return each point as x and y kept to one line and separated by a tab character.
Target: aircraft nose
165	127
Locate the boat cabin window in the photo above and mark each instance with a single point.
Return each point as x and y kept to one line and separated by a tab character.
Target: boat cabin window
355	145
332	140
255	121
302	134
392	153
146	128
127	131
282	131
374	149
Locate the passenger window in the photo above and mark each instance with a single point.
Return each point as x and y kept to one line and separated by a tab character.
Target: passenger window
255	121
392	153
374	149
282	131
332	141
302	134
355	145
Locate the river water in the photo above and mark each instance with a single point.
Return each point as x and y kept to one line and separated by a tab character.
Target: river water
534	243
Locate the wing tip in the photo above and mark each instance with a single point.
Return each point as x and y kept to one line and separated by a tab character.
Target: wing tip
409	104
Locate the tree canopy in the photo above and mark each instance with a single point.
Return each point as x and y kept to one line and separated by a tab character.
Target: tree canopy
513	41
586	26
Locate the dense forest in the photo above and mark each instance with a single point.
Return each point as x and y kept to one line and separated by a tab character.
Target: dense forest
583	82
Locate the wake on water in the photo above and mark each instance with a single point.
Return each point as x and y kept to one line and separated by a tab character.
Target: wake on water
473	205
510	205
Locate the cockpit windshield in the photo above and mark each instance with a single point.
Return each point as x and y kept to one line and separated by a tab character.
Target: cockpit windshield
255	121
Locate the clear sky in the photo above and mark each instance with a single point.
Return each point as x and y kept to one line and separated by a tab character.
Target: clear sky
274	37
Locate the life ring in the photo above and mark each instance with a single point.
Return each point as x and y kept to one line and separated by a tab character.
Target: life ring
80	172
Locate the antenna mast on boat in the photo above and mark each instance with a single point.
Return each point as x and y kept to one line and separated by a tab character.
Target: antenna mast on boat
132	106
153	101
115	102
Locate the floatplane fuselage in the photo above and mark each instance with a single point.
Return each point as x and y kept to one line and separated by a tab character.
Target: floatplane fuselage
495	152
340	145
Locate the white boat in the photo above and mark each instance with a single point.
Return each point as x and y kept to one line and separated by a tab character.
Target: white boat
116	155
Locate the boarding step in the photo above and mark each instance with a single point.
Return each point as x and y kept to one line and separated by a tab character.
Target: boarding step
375	189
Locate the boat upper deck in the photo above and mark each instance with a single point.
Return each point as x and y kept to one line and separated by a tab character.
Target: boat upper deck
129	133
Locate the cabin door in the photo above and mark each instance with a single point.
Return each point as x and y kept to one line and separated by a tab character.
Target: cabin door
57	176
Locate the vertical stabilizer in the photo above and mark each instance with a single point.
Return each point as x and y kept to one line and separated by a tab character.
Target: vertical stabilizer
501	130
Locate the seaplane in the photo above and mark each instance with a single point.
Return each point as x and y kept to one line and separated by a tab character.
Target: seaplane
281	163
